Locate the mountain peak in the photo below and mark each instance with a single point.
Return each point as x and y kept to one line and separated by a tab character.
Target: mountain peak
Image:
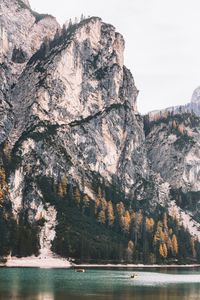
196	95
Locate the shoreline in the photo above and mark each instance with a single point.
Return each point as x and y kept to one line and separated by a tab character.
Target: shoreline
136	266
37	262
59	262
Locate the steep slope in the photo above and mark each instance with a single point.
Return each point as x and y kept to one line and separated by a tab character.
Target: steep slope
22	31
173	150
82	91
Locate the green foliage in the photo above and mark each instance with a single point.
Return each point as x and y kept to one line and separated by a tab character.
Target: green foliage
90	233
20	239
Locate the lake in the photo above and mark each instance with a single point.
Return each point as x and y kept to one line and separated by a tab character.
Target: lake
50	284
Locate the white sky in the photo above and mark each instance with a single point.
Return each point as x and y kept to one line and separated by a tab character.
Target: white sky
162	42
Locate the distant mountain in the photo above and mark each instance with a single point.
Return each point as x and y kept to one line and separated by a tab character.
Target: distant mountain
82	173
192	107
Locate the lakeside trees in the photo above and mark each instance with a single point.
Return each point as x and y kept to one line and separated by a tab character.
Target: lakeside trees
156	237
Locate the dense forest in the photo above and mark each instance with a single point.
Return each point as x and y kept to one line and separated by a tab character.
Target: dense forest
135	236
97	230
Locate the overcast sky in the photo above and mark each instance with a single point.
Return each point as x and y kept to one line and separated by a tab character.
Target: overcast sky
162	42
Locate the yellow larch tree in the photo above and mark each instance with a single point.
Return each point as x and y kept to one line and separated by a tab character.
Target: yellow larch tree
163	250
102	217
110	213
3	184
126	221
149	224
174	245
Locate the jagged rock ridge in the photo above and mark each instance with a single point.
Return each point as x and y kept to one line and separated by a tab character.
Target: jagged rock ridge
21	34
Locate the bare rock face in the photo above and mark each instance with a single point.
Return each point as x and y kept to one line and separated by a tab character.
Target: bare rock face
196	96
22	32
173	151
82	91
26	2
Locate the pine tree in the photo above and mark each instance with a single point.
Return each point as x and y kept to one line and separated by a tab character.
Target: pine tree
102	217
121	212
110	214
165	221
174	245
192	243
149	224
130	250
97	204
168	241
77	196
103	204
159	234
3	184
82	17
60	190
126	221
163	250
174	125
136	218
62	187
98	201
86	201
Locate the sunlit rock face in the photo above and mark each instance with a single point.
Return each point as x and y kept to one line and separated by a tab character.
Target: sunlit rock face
22	32
174	152
83	91
196	96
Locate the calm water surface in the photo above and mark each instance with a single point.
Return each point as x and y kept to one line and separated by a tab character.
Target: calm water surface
50	284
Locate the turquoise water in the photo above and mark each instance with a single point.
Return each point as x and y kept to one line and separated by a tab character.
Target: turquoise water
50	284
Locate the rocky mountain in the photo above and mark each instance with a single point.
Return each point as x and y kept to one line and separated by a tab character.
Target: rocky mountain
83	174
21	33
192	107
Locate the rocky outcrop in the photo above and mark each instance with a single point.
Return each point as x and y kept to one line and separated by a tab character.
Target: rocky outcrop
89	98
196	96
173	151
22	32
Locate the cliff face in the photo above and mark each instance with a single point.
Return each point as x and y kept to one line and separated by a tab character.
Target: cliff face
173	150
82	90
21	33
73	144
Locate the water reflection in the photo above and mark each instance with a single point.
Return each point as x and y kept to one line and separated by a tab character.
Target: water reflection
37	284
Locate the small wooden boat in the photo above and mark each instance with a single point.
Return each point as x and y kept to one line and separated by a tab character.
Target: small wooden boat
134	276
80	270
